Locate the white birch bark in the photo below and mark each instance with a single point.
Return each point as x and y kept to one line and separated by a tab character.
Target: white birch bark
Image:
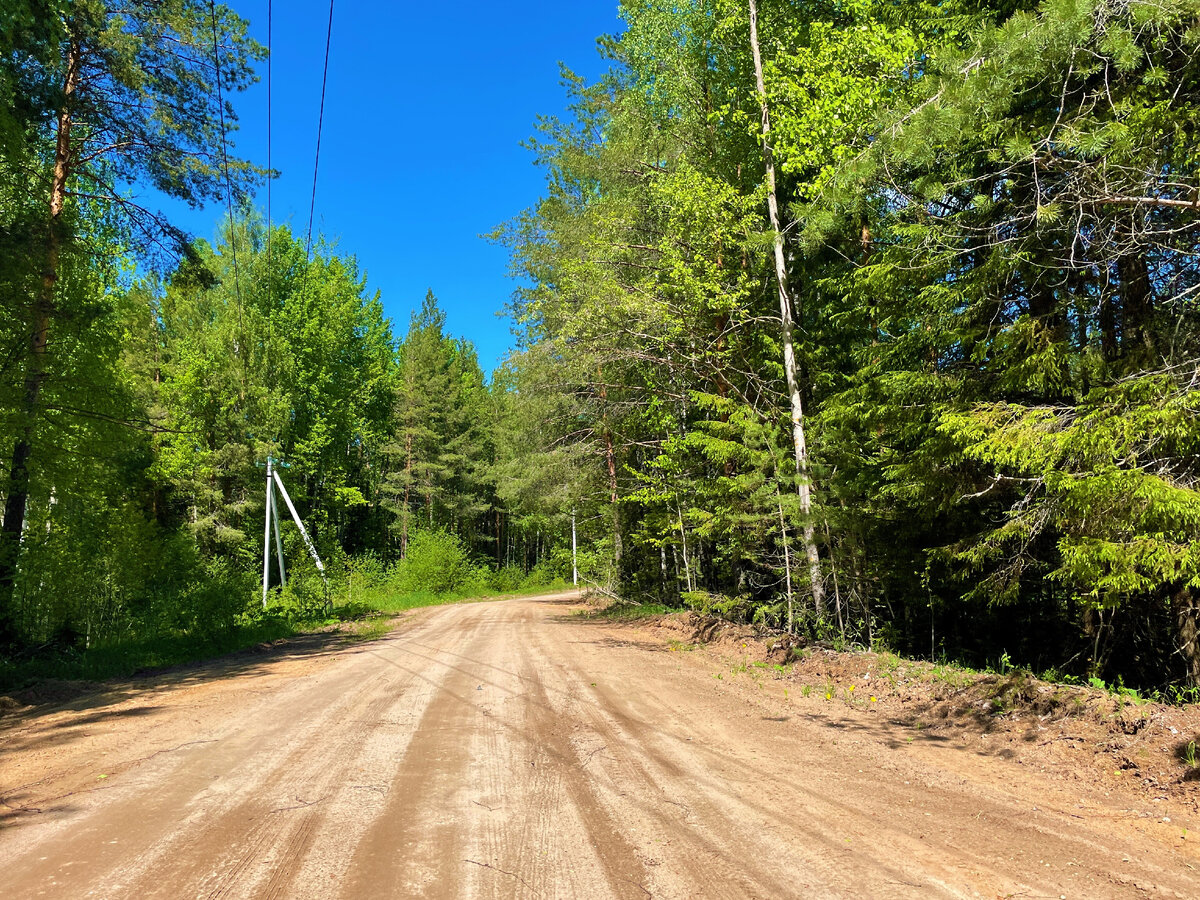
803	481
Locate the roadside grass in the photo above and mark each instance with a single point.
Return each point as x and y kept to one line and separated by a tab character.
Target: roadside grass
379	601
135	654
367	630
368	616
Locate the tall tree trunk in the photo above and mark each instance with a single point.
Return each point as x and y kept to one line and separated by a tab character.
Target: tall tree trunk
1108	330
1137	301
17	499
803	481
407	493
1187	623
687	568
787	567
610	459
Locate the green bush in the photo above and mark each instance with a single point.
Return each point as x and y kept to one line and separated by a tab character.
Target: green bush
213	601
507	579
735	609
305	598
437	563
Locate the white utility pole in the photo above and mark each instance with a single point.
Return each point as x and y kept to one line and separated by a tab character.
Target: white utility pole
278	540
312	550
574	558
272	517
267	538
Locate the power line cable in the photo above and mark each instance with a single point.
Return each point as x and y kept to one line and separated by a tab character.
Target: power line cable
270	171
270	179
320	125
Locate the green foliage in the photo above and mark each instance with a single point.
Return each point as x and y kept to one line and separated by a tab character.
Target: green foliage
437	563
990	232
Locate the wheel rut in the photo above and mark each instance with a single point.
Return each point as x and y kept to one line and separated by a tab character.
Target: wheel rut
511	749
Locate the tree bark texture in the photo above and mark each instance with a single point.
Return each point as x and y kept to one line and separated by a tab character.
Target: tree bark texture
800	445
1187	624
17	499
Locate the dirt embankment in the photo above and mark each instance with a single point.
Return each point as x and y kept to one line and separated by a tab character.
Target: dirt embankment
1071	731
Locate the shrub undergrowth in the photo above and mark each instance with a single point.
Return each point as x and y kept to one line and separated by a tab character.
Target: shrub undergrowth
220	609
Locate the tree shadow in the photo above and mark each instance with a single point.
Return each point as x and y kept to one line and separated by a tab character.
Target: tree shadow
52	696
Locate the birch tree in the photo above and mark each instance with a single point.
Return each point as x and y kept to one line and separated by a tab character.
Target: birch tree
787	320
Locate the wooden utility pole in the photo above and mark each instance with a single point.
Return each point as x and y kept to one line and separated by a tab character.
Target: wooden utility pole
803	479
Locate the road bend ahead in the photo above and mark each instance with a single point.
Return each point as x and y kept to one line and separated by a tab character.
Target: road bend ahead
512	749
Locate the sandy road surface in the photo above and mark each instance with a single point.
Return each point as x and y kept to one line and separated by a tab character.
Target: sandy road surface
511	749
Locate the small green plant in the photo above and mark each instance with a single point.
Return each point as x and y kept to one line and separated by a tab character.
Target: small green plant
950	674
889	663
370	630
1181	696
1189	755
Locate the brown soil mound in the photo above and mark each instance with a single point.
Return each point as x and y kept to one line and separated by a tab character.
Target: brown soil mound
1080	732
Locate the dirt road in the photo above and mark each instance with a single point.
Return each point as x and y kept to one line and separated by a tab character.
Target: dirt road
512	749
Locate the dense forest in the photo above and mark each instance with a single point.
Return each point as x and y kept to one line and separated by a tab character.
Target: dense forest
874	320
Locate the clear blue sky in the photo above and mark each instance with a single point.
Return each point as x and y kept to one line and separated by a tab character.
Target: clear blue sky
425	109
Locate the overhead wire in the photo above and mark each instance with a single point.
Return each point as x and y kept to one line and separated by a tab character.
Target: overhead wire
320	125
270	179
270	171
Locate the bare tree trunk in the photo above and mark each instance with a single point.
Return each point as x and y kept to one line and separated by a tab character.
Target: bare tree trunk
407	492
803	481
1137	296
610	459
1187	622
17	500
787	569
687	569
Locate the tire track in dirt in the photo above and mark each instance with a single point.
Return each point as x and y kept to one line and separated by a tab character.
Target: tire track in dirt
714	780
512	750
216	820
534	818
